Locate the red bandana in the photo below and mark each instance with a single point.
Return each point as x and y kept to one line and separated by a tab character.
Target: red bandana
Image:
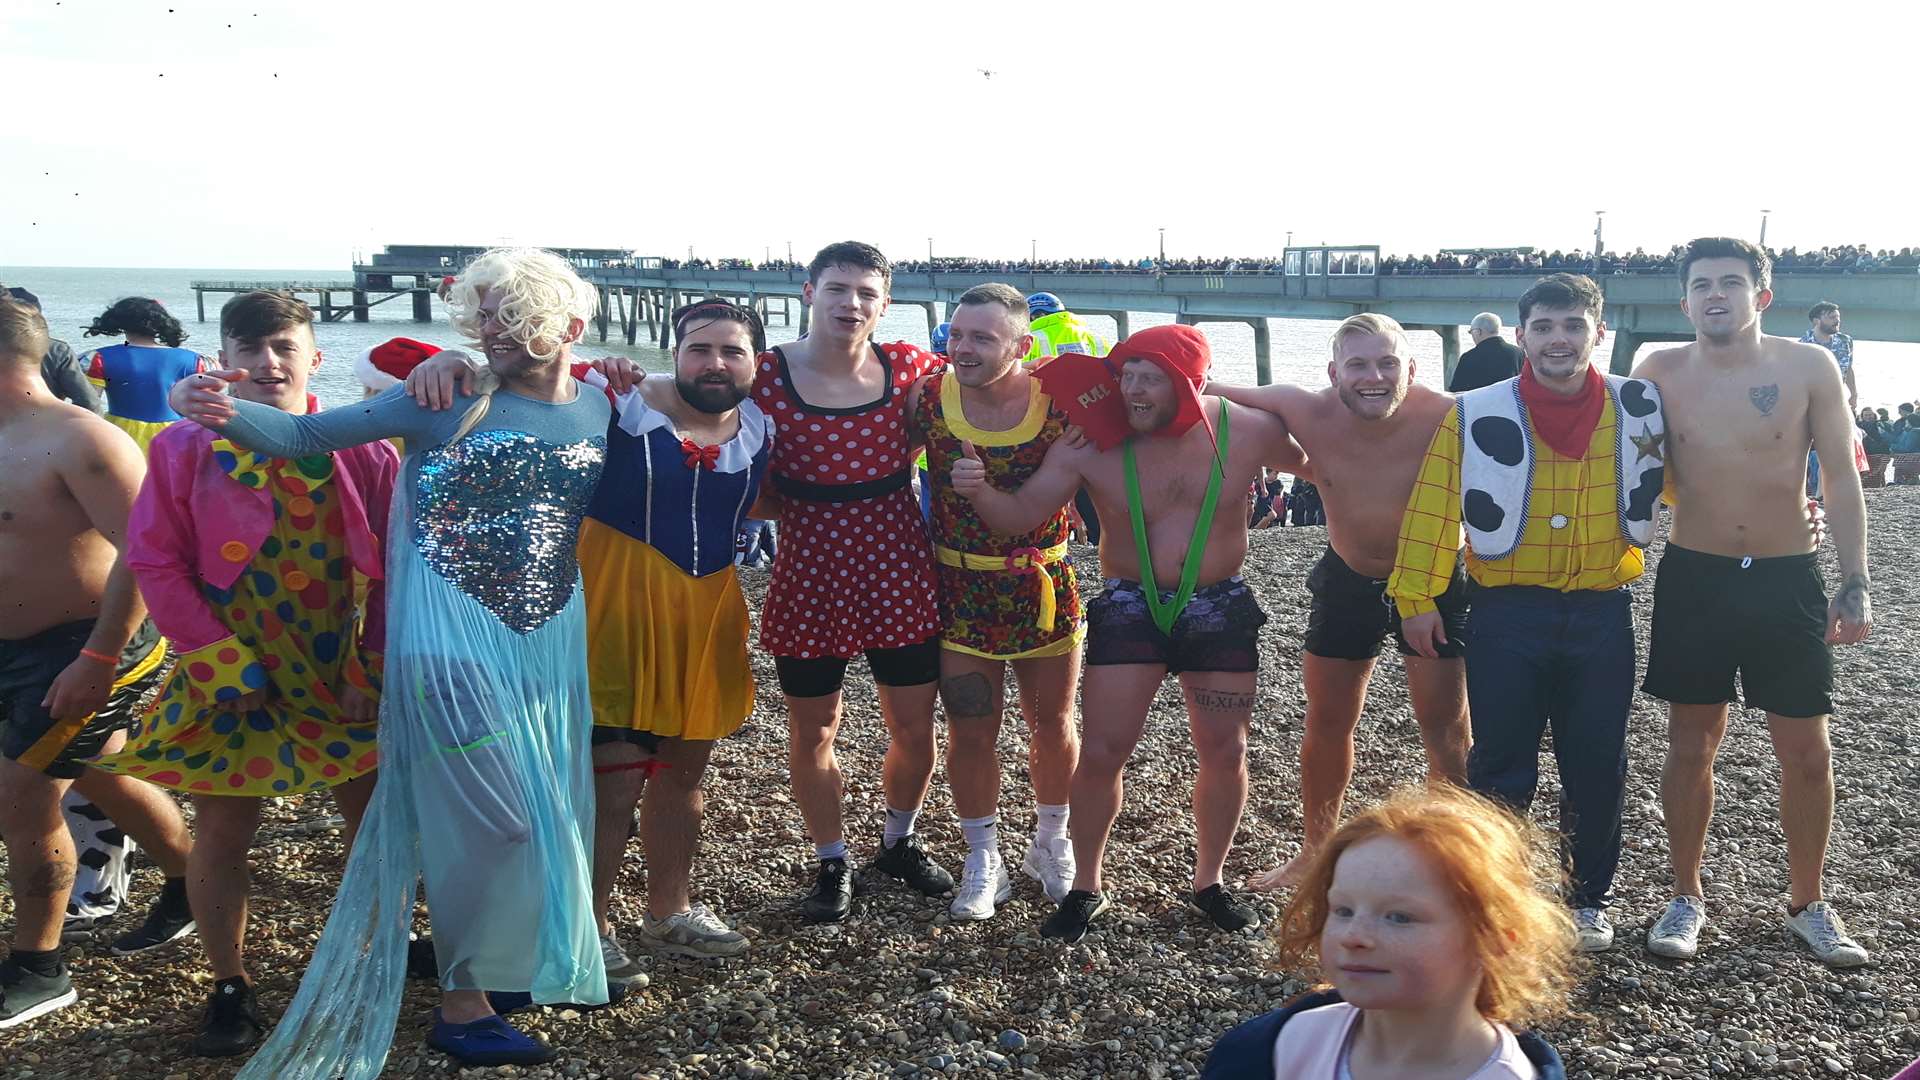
1564	423
698	456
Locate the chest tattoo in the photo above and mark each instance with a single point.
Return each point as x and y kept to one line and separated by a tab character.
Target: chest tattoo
1764	398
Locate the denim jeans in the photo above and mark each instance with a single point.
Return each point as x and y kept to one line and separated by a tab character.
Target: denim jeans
1539	658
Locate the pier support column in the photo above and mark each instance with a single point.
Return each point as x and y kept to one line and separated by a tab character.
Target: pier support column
806	315
1449	352
360	313
1120	325
1625	344
423	305
933	317
1262	352
326	306
200	302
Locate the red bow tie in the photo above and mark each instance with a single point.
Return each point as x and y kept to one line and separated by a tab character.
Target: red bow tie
700	456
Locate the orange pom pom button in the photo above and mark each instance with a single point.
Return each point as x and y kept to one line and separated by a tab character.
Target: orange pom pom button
234	551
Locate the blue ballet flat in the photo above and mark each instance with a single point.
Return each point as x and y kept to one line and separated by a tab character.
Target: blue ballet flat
487	1041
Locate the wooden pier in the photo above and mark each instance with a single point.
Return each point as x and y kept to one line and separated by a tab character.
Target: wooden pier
361	296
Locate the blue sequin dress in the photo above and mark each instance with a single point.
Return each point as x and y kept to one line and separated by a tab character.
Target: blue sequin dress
486	784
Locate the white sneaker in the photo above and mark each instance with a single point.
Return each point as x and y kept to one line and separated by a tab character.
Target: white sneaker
984	885
1677	934
1820	927
620	967
1594	929
1050	862
695	932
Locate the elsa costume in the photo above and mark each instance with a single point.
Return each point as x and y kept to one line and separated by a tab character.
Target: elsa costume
486	787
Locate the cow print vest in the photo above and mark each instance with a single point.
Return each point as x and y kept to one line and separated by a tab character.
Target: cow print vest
1496	462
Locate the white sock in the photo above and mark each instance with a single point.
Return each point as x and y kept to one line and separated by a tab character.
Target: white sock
982	833
835	850
899	825
1049	822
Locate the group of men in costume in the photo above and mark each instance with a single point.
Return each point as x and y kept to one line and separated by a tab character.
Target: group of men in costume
552	606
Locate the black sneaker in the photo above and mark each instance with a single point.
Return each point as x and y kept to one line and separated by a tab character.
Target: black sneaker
1226	913
233	1023
1070	921
422	963
165	922
25	995
908	861
832	895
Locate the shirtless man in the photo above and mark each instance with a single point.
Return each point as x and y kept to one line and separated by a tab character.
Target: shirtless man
1364	437
1740	588
76	657
1166	478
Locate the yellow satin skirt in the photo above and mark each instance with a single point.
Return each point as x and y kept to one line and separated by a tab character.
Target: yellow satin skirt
666	652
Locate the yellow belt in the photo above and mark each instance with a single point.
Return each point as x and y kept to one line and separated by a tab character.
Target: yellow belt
1023	560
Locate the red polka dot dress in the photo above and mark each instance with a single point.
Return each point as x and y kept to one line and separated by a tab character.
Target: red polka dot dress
853	571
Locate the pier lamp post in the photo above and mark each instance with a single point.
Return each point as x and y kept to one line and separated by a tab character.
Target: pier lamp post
789	251
1763	227
1163	245
1599	219
929	254
1033	252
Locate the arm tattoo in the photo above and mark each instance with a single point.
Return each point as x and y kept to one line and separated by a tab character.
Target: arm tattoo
1764	398
967	695
1221	700
1854	599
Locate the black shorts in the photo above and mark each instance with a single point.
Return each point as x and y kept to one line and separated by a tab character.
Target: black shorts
1352	613
645	740
819	676
28	667
1219	630
1764	619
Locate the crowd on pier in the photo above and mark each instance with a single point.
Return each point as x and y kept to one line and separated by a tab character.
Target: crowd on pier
1842	259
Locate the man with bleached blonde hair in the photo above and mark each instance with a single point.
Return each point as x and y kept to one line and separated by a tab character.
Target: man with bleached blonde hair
1365	435
1492	359
486	781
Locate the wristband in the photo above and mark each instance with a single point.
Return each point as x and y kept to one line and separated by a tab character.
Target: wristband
110	661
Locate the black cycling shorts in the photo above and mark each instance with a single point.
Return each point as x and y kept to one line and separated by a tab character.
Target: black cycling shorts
819	676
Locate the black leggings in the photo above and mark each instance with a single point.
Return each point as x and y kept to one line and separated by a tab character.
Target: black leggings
904	665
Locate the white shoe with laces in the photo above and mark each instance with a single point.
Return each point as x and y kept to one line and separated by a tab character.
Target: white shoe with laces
1820	927
984	886
1677	934
1050	862
696	932
1594	929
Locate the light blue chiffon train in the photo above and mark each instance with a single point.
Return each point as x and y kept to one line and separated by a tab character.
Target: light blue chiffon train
486	791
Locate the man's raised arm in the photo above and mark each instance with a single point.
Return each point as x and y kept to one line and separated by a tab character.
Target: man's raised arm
1027	507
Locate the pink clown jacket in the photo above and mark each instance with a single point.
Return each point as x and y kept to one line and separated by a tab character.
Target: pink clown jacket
193	522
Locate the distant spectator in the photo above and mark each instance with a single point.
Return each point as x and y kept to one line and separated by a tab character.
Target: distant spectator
1825	317
1908	441
1303	504
1492	359
1906	418
1874	435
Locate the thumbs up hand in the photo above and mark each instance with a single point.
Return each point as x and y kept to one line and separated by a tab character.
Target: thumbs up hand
968	474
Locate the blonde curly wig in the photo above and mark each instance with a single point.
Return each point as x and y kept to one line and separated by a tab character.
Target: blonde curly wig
540	295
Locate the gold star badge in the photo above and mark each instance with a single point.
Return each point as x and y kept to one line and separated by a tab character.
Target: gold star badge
1647	445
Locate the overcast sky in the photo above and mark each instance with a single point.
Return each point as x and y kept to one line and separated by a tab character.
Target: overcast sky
291	135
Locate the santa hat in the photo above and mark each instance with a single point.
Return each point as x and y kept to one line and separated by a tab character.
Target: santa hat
387	363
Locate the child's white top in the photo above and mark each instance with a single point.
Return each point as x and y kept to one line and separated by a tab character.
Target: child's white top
1315	1045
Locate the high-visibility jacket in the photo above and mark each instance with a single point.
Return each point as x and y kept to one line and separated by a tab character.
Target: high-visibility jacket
1064	332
